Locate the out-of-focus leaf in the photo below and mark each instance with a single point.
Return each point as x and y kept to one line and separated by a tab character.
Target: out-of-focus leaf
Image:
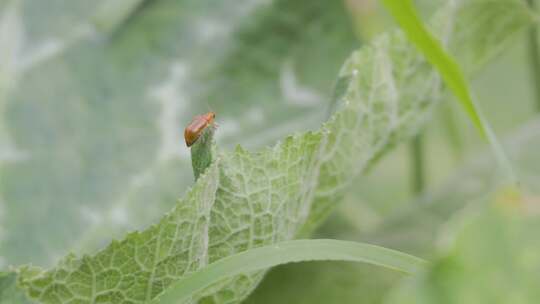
415	228
281	59
322	283
490	256
412	230
9	292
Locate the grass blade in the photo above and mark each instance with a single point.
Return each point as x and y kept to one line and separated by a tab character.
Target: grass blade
405	15
534	56
288	252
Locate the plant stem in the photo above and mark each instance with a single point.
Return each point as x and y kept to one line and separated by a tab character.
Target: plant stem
452	131
202	152
417	164
534	53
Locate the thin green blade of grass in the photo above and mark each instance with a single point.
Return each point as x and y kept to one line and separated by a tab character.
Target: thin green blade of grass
288	252
534	56
405	15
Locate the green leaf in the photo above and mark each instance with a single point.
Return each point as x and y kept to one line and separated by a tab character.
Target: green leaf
265	67
139	267
278	193
263	198
289	252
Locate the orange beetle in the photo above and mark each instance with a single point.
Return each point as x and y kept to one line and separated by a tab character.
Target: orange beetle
194	130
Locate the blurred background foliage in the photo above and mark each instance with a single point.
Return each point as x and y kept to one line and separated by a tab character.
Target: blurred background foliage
94	96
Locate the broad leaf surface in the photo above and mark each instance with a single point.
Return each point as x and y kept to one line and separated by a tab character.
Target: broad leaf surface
139	267
91	120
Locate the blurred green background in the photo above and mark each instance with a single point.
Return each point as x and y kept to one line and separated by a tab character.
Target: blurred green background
94	96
